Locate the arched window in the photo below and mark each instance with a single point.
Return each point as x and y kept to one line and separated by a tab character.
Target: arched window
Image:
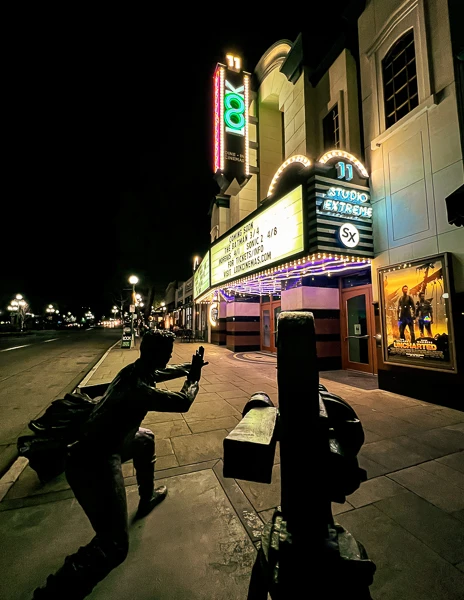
400	79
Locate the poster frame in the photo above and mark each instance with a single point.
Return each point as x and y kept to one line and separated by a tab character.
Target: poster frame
451	365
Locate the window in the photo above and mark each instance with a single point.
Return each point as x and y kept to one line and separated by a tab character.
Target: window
400	79
331	129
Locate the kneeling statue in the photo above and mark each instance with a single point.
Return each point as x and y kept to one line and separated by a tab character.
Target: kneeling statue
110	436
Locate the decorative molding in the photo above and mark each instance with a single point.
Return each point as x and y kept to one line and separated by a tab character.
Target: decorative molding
402	12
272	59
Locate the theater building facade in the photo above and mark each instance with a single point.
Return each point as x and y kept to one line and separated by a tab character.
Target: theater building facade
332	199
412	111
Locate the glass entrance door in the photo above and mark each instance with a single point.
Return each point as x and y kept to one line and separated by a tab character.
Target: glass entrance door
270	310
357	329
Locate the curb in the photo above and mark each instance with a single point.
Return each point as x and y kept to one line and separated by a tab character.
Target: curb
10	454
96	366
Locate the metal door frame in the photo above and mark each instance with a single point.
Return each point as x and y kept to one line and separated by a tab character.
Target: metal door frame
346	294
271	305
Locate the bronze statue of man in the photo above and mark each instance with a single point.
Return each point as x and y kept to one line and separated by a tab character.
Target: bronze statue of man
110	436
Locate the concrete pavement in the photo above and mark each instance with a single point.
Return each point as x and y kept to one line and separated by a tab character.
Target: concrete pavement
200	543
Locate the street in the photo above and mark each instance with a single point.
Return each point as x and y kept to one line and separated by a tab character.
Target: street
39	368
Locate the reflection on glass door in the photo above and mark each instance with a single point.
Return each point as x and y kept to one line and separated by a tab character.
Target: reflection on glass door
357	329
266	329
358	336
277	310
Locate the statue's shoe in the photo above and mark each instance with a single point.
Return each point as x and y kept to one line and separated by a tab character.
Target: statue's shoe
146	506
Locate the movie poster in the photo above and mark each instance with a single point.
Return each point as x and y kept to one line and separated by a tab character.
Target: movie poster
416	313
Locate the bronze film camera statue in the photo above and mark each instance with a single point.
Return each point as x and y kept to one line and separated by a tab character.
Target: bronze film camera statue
303	552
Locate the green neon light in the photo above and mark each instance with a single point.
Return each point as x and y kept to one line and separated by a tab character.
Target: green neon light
234	114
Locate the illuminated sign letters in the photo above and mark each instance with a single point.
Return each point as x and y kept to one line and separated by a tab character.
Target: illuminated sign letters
272	235
201	278
344	171
234	104
350	195
344	201
234	62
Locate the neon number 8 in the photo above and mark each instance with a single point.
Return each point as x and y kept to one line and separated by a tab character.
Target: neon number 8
234	113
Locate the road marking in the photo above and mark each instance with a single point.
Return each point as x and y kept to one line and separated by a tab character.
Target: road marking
15	348
46	341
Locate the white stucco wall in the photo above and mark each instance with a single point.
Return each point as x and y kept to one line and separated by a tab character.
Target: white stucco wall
417	162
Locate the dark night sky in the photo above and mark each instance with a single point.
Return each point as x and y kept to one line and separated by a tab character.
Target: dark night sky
107	159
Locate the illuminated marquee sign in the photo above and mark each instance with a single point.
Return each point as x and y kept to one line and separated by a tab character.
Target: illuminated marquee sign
272	235
201	278
231	102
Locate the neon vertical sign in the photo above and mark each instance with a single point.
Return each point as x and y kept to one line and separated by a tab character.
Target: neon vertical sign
219	78
231	115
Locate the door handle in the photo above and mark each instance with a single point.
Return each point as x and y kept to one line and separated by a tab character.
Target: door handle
357	337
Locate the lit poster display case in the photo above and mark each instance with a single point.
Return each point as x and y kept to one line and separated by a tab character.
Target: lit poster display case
416	312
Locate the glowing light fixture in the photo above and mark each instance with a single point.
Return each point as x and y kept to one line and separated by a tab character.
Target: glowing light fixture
234	62
213	311
219	83
246	81
342	154
297	158
270	280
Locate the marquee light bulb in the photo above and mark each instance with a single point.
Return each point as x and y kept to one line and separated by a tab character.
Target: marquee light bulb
297	158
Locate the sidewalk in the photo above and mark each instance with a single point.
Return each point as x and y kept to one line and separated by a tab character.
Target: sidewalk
200	543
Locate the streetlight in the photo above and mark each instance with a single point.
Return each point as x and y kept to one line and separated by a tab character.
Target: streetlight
19	307
133	280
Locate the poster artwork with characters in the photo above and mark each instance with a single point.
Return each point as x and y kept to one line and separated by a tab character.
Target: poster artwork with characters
416	312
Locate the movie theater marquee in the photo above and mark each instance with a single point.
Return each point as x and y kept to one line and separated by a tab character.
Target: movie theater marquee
272	235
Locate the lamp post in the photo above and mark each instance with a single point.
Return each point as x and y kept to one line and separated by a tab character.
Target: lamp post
13	308
163	306
133	280
52	311
19	306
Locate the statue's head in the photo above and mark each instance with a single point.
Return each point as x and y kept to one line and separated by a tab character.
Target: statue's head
156	347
